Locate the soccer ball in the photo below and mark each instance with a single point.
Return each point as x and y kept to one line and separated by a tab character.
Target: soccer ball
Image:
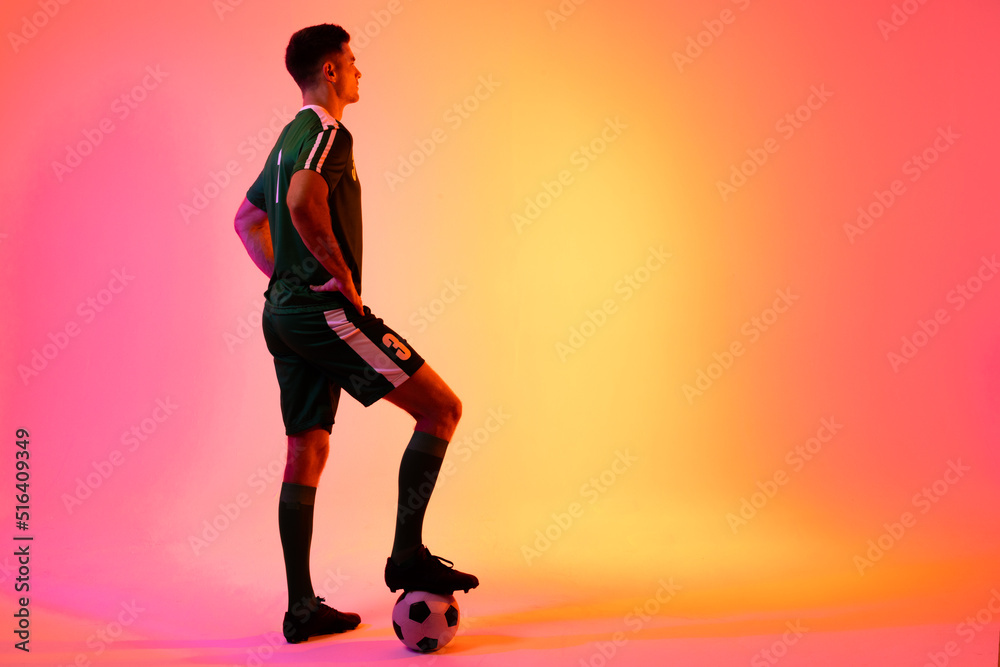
425	621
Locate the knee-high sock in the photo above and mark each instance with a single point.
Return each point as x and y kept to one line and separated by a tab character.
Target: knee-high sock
295	522
418	473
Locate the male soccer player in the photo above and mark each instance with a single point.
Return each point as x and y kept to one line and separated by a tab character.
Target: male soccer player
301	225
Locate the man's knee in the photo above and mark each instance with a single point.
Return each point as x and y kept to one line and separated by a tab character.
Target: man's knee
311	458
451	410
311	444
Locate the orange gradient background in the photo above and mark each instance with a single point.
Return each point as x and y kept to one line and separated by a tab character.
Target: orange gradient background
532	318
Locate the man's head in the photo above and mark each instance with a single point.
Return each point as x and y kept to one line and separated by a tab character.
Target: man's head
320	56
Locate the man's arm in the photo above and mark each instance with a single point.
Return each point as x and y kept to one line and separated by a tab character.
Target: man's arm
251	225
307	202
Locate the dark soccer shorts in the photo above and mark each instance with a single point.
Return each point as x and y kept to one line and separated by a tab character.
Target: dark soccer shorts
318	353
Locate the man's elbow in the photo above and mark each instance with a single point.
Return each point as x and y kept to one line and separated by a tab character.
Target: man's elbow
301	207
298	210
248	218
306	216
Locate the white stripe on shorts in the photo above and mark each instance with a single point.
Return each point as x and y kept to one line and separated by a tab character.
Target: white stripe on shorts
366	349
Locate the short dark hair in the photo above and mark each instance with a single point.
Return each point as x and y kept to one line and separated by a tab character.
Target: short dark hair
310	47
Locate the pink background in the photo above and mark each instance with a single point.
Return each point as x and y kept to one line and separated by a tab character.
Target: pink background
172	107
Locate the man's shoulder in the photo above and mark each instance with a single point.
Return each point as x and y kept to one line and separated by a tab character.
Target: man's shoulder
309	124
318	117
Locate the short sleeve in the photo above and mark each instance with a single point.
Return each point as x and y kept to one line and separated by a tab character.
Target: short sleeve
327	153
255	195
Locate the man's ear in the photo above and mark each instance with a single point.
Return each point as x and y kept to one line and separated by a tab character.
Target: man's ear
329	70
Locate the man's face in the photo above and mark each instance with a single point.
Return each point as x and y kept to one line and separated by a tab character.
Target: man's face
348	75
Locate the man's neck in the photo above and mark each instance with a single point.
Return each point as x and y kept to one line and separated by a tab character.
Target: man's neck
325	98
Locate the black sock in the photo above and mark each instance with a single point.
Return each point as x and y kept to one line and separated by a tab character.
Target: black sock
295	521
418	473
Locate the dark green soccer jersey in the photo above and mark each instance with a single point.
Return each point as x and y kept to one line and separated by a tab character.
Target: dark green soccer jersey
313	140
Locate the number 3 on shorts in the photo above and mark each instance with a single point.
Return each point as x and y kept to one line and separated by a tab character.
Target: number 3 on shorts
393	343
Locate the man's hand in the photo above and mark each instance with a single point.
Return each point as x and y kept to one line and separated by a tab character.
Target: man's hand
347	289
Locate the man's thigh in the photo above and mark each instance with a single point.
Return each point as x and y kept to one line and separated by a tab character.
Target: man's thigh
423	394
359	353
308	398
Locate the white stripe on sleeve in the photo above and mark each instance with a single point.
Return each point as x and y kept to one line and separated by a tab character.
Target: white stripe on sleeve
330	132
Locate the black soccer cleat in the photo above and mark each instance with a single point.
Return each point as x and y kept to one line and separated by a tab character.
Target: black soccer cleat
426	572
307	622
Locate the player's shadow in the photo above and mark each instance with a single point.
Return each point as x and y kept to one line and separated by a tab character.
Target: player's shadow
327	649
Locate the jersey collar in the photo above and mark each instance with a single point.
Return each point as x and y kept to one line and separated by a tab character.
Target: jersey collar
324	115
